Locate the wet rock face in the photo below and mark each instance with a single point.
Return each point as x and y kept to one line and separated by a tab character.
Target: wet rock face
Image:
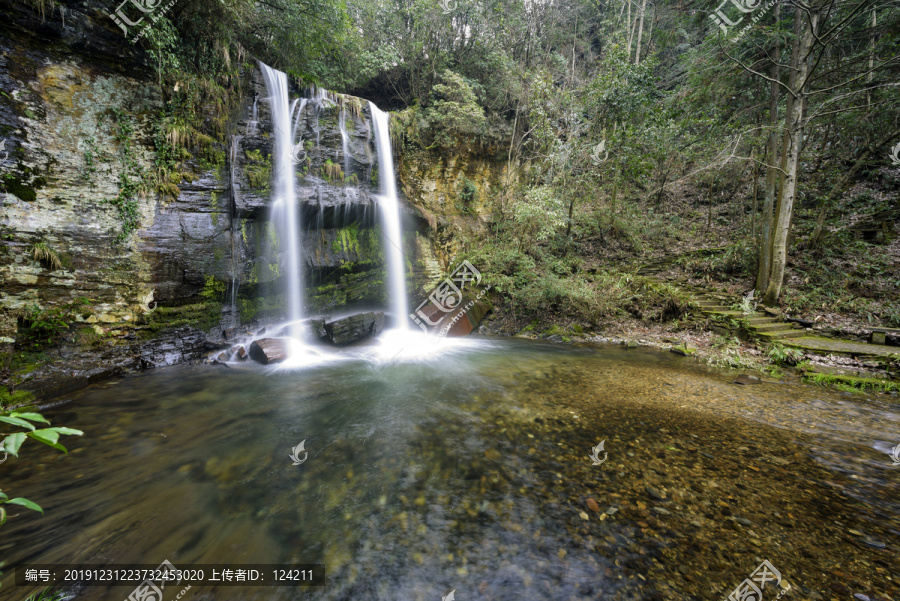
65	163
211	230
354	328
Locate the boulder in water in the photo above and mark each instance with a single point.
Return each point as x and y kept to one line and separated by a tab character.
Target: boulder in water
268	350
355	327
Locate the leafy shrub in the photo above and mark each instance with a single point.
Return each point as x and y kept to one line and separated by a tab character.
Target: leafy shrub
725	352
453	107
43	327
12	442
738	259
782	355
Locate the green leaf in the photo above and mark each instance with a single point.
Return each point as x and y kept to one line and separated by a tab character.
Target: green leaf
64	430
48	434
25	503
16	422
35	417
3	495
48	437
12	443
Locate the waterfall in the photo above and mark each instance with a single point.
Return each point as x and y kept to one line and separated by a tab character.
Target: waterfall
297	120
234	314
254	119
390	205
345	143
284	205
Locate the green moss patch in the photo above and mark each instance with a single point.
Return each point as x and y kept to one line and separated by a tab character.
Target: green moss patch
852	383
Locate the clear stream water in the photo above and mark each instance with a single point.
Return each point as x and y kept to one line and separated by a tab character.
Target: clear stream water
468	470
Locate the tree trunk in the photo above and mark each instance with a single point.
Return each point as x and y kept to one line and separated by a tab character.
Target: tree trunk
765	229
871	59
637	50
612	207
794	120
755	192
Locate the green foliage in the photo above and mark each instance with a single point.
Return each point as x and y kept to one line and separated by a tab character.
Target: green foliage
538	214
735	260
725	352
213	290
333	171
43	328
852	383
47	595
90	156
10	398
783	355
18	426
537	283
131	176
45	255
453	108
468	195
258	169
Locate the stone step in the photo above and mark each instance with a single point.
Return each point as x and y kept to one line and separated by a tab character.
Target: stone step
729	313
761	320
771	327
781	334
707	303
825	346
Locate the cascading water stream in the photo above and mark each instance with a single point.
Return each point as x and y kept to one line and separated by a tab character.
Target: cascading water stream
284	206
297	120
234	315
345	142
254	119
390	205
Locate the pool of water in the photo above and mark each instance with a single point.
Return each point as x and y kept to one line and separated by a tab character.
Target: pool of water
468	469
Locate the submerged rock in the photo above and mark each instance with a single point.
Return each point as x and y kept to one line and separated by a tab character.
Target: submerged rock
268	350
746	380
354	328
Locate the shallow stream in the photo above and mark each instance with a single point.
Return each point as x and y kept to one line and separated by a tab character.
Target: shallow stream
469	470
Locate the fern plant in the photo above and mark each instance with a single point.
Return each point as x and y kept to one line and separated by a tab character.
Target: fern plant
45	255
